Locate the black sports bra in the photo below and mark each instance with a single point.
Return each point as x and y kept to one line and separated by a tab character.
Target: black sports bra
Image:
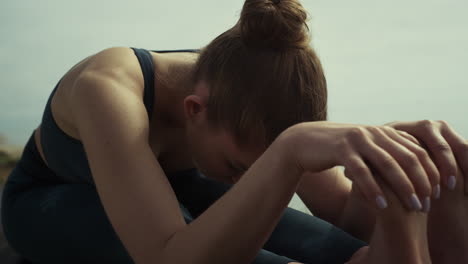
64	154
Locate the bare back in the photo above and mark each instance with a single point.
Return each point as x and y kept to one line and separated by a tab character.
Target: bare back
60	104
63	114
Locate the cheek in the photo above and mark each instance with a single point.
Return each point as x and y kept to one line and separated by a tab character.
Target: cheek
208	162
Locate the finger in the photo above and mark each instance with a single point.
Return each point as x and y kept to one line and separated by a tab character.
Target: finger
411	165
424	159
460	149
359	173
442	154
408	136
391	171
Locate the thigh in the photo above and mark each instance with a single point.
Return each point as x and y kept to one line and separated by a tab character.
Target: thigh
309	239
268	257
63	223
195	191
67	224
298	235
60	223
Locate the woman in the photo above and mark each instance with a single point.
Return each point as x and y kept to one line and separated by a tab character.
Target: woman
138	151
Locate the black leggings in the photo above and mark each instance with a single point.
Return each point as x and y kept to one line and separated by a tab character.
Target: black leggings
66	223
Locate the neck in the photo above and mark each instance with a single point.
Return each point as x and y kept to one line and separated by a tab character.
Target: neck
172	84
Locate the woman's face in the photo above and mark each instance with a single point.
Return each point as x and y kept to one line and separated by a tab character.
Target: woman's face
217	156
214	150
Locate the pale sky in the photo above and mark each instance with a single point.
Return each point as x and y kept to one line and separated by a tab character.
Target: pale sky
384	60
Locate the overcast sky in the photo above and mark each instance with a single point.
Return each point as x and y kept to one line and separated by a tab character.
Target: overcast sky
384	60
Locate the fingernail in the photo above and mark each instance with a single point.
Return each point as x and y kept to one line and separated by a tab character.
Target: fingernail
436	191
415	202
427	204
381	202
452	181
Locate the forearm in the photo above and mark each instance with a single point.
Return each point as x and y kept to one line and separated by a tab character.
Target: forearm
240	222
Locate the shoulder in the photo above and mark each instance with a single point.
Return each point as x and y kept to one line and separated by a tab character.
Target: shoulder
107	95
115	63
109	71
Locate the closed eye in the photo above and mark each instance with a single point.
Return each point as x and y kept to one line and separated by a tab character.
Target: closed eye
235	169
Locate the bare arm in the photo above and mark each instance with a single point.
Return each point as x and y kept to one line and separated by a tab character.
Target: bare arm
238	224
142	208
134	190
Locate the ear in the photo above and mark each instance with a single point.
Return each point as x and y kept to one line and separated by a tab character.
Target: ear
194	107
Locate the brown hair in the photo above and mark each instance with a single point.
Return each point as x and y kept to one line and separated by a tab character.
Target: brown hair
262	73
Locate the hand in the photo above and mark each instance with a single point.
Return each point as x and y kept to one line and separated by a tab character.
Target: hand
446	147
362	150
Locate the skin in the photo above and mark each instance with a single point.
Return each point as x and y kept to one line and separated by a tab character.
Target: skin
176	139
399	237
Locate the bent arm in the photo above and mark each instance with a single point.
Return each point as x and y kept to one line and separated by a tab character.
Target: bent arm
136	195
237	225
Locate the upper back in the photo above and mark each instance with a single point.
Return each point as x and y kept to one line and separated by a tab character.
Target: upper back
109	61
60	141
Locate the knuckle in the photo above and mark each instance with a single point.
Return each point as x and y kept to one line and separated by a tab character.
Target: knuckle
378	130
443	123
357	133
374	129
387	129
426	124
345	147
406	134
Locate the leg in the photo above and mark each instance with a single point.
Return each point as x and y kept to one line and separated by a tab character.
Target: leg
448	226
299	236
309	239
57	222
268	257
66	223
197	193
61	224
400	236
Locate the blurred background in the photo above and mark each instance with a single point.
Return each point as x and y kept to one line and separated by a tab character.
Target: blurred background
384	60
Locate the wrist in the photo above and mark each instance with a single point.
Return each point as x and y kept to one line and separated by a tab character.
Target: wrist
283	147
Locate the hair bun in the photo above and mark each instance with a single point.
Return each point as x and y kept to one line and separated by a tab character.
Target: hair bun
277	24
